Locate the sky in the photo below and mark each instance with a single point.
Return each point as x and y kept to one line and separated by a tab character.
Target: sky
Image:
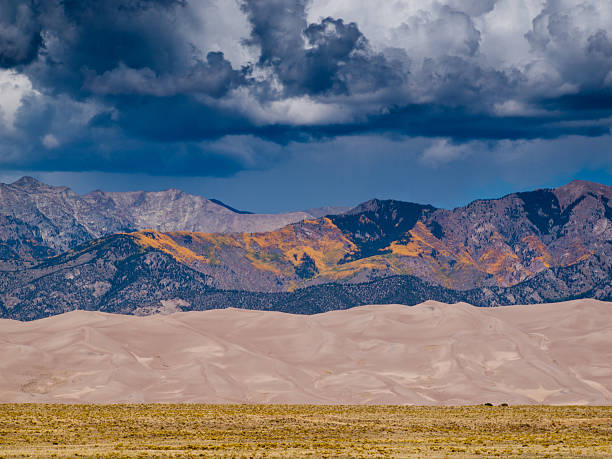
276	105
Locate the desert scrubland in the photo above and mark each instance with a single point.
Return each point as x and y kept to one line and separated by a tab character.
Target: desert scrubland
303	431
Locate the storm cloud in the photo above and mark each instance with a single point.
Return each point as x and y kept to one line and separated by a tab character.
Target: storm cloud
20	33
328	57
153	86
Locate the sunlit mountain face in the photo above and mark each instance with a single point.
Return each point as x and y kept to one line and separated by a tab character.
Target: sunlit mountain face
282	105
131	252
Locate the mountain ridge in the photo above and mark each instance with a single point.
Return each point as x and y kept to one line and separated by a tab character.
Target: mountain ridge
543	245
54	219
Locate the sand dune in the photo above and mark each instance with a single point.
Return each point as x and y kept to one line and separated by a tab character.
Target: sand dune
428	354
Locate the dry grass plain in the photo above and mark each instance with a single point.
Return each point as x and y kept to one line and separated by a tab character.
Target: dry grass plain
303	431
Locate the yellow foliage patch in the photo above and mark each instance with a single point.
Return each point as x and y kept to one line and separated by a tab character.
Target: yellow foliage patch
576	253
535	244
163	242
500	260
215	239
375	263
422	242
321	240
280	251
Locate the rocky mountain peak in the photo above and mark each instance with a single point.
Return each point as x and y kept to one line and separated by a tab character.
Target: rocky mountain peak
36	188
375	223
577	189
369	206
379	206
28	183
582	186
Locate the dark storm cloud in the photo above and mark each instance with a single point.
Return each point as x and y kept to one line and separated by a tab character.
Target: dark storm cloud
20	36
84	40
599	43
462	125
177	118
215	77
325	57
38	141
120	85
128	61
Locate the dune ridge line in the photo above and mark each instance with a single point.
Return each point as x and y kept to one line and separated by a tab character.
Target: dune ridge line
430	354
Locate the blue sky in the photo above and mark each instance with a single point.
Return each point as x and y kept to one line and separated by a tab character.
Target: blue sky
276	105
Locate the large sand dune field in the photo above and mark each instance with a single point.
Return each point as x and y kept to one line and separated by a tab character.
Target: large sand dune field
430	354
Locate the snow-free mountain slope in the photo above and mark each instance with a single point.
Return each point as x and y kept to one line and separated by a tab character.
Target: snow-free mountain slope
530	247
37	220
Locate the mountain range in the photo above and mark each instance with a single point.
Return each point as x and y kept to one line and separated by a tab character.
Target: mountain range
145	252
38	220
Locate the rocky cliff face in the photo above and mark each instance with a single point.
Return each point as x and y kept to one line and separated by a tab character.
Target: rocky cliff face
59	218
545	245
37	220
175	210
508	240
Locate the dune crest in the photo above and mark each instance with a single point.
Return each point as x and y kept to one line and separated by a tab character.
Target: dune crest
428	354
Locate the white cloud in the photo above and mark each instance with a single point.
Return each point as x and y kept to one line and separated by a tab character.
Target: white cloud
439	32
574	39
50	141
503	30
516	108
550	35
302	110
219	25
13	86
444	151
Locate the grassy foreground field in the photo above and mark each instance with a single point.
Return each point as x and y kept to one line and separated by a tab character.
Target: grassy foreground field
280	430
